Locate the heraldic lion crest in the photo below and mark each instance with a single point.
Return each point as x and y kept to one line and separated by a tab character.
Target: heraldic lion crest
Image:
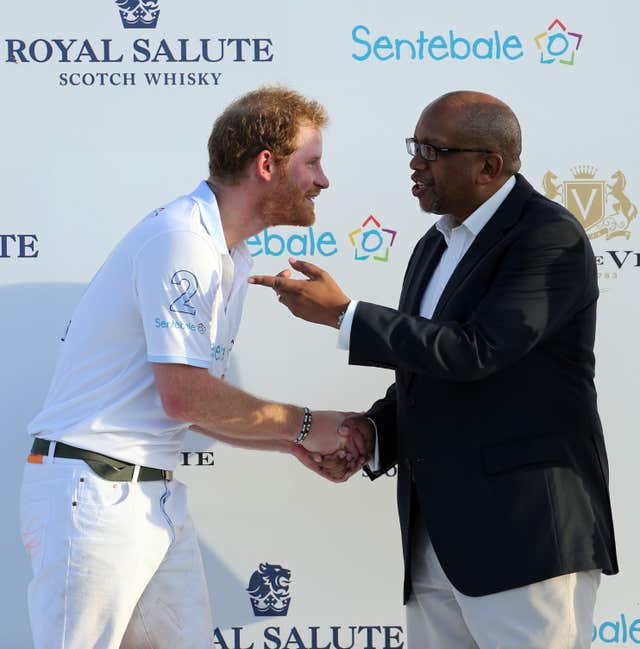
603	208
269	590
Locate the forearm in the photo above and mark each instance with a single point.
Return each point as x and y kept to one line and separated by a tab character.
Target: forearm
543	280
192	394
336	469
251	444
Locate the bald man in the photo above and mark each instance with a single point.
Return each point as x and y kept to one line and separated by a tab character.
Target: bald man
492	420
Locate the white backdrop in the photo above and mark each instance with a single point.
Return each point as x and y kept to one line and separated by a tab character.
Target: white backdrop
82	163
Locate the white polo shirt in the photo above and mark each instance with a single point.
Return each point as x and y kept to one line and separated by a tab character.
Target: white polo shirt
170	292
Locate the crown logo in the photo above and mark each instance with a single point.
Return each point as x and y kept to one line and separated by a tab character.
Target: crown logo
138	14
269	590
584	172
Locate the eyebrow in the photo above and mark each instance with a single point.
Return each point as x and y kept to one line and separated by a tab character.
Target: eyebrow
432	141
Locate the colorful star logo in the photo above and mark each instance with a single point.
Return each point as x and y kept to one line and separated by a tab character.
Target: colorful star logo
558	44
372	240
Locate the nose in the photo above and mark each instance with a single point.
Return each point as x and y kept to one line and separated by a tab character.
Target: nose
322	181
417	162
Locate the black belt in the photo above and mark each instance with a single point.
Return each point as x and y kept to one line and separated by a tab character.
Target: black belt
106	467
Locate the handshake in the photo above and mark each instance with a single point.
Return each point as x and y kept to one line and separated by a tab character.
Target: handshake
338	445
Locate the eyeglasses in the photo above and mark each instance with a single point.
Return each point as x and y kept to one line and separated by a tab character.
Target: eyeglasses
429	152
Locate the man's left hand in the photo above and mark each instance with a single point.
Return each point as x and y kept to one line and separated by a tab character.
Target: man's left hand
316	299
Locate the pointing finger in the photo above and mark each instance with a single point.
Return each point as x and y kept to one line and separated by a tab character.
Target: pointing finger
279	283
263	280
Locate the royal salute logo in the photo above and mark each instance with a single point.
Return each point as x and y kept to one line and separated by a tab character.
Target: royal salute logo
120	62
20	246
602	206
138	14
269	590
197	458
372	241
280	636
558	44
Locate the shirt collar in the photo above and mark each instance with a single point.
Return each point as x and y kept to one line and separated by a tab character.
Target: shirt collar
210	217
480	217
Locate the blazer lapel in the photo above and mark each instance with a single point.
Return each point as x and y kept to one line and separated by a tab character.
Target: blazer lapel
424	262
419	272
492	233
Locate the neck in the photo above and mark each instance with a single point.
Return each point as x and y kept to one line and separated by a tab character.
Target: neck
239	215
487	191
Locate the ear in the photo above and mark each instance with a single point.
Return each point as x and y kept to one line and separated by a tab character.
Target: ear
492	165
265	165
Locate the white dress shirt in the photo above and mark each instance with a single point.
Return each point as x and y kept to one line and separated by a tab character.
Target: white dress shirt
458	240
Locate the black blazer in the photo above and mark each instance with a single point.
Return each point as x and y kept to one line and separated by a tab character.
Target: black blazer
493	414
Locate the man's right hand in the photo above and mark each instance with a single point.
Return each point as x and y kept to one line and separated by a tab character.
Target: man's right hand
323	437
358	435
345	442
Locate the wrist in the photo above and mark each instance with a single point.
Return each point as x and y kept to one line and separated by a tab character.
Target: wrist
305	426
340	313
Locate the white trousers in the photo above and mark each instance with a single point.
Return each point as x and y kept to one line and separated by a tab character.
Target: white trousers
116	565
552	614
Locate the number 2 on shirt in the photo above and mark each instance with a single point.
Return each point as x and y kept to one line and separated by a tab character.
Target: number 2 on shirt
181	303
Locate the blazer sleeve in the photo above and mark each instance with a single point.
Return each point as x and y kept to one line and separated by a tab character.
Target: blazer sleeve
544	277
383	413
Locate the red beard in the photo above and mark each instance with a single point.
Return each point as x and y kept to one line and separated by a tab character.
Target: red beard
287	205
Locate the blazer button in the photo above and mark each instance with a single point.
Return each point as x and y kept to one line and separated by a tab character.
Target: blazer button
412	401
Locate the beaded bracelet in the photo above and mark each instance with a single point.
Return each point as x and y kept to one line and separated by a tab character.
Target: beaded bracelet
305	429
